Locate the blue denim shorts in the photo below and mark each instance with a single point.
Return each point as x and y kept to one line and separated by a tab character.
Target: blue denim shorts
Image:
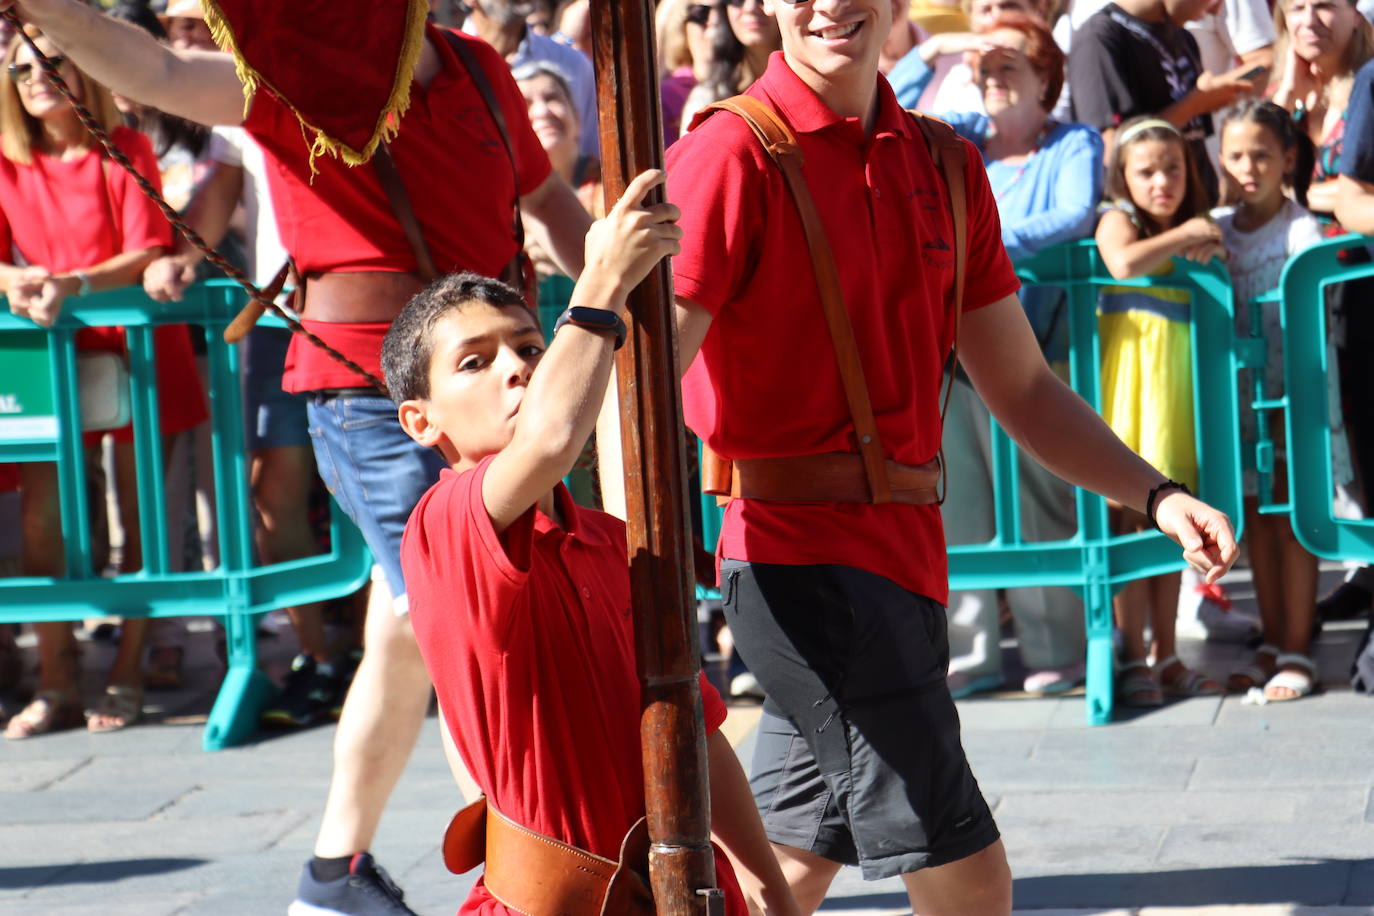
274	418
374	470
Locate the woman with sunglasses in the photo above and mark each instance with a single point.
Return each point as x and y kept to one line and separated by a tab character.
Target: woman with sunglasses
742	35
72	223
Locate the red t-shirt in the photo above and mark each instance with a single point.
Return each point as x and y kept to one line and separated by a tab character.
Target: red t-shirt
73	214
529	640
766	382
458	178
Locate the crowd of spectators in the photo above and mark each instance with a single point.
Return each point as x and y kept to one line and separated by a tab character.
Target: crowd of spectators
1094	120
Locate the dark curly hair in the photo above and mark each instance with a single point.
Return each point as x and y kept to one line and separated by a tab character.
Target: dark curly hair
409	344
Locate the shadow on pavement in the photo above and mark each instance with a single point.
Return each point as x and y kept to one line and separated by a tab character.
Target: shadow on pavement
90	872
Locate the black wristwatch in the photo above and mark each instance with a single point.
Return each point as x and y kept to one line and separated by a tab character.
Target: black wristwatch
593	320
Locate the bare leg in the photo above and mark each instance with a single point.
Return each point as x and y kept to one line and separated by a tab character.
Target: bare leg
41	521
381	720
808	875
1266	565
978	885
1163	598
281	484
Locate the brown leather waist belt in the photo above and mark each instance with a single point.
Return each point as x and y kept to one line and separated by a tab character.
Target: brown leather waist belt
837	477
362	297
537	875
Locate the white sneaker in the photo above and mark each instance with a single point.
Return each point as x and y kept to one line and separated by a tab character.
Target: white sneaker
747	686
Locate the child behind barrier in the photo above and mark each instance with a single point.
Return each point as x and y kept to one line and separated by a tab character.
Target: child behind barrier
520	599
1262	151
1158	210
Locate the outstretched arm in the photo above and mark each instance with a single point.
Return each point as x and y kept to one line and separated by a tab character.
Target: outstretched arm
559	222
200	86
1056	427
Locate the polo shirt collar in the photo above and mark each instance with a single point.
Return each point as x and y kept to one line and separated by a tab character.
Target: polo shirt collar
572	521
807	112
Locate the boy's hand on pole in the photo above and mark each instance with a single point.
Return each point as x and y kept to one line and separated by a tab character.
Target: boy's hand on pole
625	245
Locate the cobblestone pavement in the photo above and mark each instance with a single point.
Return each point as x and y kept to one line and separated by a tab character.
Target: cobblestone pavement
1208	806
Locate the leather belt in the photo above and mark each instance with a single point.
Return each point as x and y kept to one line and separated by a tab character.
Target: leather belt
364	297
537	875
831	477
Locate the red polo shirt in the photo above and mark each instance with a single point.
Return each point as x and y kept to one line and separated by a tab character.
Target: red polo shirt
457	175
766	382
529	640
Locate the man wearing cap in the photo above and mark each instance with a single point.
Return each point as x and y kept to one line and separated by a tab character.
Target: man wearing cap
186	28
833	570
344	231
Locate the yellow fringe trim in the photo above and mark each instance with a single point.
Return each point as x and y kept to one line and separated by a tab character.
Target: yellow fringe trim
388	120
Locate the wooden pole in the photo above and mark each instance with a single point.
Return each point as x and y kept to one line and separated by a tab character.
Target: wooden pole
672	732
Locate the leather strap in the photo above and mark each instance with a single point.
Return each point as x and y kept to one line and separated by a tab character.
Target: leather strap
537	875
248	315
950	155
777	138
396	195
515	270
831	477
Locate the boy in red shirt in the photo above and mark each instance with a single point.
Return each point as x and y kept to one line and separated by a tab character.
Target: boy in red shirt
519	598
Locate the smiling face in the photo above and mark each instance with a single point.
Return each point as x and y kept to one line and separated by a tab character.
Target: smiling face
834	43
1156	174
1005	76
483	357
552	114
752	25
38	96
1320	30
1254	159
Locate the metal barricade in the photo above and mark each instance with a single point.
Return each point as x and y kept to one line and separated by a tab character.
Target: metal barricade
43	424
1094	562
1303	288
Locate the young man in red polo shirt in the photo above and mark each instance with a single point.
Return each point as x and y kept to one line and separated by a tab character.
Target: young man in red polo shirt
520	599
836	604
342	229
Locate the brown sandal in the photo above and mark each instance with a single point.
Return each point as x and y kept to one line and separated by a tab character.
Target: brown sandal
119	702
48	711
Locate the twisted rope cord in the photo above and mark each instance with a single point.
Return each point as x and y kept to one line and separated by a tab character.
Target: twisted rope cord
214	257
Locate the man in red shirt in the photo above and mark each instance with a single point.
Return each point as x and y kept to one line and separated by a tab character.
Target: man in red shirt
837	605
521	599
340	227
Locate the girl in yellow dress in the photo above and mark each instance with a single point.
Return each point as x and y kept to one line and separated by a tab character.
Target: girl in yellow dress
1158	210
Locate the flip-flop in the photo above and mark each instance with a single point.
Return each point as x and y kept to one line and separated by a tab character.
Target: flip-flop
1191	683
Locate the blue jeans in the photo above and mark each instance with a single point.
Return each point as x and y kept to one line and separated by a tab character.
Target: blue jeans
374	470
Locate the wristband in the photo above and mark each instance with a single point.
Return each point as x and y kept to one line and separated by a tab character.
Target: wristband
1154	496
593	320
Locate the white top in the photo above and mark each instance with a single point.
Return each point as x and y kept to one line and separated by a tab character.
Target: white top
265	254
1257	258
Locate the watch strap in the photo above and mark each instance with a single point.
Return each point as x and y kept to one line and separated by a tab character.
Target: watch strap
593	320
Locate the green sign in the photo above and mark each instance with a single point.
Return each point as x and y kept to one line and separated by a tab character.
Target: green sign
27	411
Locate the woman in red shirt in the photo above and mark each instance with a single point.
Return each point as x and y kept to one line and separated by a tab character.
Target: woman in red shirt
71	223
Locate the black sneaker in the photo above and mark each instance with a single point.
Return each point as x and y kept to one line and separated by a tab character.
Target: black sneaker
307	695
367	890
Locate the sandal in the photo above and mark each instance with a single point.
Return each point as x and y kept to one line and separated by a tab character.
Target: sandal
49	711
1137	686
1254	674
164	669
1301	683
1189	682
121	703
1048	681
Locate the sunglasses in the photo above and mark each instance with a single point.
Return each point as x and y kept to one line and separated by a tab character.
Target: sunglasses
698	13
23	73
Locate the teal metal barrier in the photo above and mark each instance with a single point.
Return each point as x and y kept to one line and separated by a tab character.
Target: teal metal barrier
1094	562
1303	287
47	428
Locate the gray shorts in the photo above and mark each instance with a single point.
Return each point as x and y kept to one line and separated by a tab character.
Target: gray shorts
858	757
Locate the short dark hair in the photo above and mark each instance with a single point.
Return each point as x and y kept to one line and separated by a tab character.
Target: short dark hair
409	344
